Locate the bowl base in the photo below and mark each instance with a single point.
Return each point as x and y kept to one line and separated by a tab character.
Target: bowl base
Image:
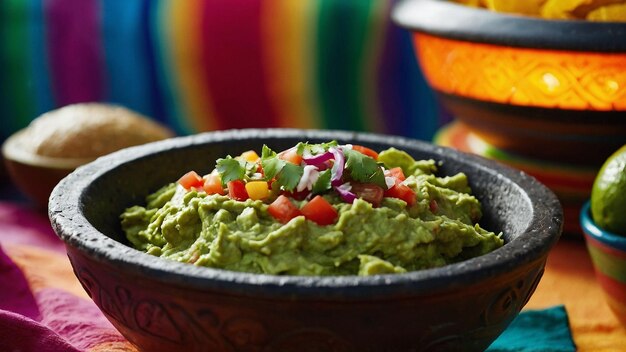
571	136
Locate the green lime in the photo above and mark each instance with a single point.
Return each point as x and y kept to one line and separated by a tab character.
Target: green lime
608	195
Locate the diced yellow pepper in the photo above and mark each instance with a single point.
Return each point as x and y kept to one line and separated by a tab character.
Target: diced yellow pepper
250	156
257	190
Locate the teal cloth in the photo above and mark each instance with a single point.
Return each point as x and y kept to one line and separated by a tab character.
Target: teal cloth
544	330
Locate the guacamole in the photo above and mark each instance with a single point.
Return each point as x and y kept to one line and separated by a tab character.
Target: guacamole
316	214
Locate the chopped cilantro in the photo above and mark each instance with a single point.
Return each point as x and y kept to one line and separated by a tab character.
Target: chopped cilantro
314	149
230	169
358	167
364	169
300	147
290	175
287	175
267	152
271	163
323	182
251	168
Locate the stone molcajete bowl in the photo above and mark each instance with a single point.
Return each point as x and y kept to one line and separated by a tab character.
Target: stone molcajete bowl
162	305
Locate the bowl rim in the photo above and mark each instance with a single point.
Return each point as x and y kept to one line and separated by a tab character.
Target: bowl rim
592	230
471	24
70	224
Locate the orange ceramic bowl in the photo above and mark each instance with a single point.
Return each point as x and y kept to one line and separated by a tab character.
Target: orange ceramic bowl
608	254
549	89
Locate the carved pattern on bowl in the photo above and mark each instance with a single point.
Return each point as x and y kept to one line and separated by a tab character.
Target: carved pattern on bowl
175	324
526	77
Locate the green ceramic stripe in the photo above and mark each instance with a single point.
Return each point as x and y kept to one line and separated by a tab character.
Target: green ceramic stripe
608	264
14	59
342	35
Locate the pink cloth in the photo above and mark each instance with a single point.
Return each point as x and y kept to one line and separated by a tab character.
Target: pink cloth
22	225
15	295
20	333
41	307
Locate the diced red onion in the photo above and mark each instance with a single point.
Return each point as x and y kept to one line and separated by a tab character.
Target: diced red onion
390	181
318	159
338	166
345	193
322	167
309	176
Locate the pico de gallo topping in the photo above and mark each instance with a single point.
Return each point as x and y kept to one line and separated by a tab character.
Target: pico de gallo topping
305	172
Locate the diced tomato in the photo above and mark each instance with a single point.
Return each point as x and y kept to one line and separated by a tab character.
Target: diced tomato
403	192
365	151
257	190
291	155
283	210
433	206
369	192
191	180
297	195
237	190
319	211
213	184
397	173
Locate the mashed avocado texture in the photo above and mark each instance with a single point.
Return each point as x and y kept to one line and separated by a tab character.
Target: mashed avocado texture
217	231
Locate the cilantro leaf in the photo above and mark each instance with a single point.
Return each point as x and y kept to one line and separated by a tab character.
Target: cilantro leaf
322	147
301	147
290	175
230	169
323	182
267	152
250	168
270	162
314	149
364	169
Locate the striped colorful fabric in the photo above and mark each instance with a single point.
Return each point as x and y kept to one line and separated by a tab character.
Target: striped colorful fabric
200	65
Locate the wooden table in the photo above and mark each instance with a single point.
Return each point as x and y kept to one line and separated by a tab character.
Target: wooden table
569	280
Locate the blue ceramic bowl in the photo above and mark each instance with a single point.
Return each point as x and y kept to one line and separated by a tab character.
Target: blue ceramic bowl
608	254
